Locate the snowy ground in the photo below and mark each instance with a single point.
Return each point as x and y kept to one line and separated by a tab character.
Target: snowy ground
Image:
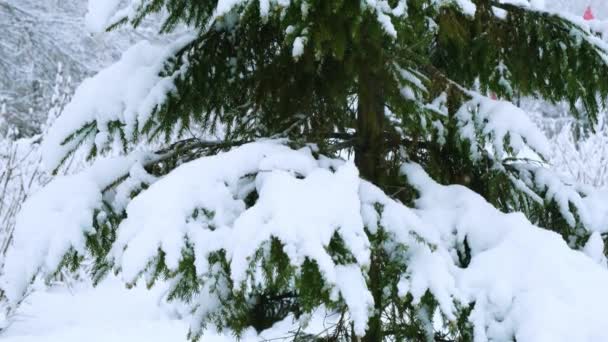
106	313
112	313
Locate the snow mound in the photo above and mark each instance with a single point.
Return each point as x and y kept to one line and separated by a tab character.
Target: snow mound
526	283
109	312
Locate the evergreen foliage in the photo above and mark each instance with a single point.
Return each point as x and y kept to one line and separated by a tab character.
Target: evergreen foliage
392	82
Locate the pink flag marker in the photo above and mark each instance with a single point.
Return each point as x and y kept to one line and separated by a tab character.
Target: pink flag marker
588	14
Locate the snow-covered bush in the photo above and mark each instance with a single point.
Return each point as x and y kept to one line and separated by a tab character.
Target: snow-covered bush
216	168
20	175
21	171
582	157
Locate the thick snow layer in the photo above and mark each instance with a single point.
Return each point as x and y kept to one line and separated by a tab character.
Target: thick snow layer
525	281
303	214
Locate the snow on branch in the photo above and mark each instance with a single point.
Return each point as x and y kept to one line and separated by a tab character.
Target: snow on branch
302	202
109	108
520	277
500	130
504	127
202	203
553	188
56	220
592	32
232	207
100	16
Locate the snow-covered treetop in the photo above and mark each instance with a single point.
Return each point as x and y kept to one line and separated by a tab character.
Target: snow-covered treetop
213	77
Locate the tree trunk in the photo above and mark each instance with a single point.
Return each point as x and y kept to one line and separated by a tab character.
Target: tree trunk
369	158
369	152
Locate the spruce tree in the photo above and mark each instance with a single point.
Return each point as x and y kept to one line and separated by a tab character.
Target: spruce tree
386	82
